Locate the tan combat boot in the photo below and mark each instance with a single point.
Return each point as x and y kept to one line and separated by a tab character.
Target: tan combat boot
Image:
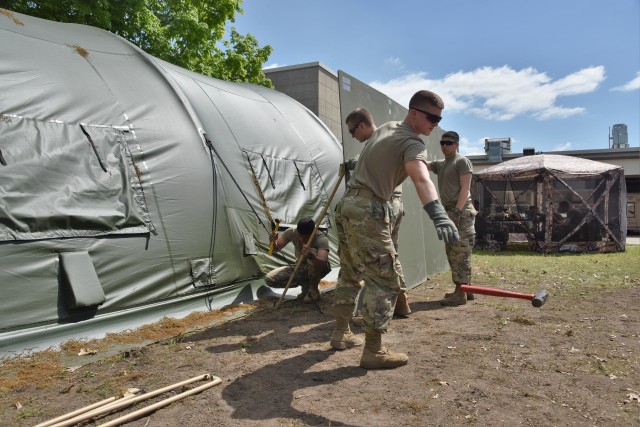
402	304
304	290
375	356
470	296
455	298
313	294
342	337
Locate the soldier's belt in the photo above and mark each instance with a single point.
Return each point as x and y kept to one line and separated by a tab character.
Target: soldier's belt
364	193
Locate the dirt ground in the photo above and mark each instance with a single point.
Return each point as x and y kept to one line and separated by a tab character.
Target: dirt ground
492	362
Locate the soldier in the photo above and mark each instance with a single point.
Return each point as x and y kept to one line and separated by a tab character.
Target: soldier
361	126
393	152
454	186
309	272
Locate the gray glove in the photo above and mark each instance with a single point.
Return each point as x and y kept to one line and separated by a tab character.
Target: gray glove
446	229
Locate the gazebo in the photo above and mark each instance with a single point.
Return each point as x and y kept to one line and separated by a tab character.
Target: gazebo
555	203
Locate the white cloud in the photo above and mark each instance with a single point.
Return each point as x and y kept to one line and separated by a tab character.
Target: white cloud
394	62
471	149
630	86
272	66
500	93
562	147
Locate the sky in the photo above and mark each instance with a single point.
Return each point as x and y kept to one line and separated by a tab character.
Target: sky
552	75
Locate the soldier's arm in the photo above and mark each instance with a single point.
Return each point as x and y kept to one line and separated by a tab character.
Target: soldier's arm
465	190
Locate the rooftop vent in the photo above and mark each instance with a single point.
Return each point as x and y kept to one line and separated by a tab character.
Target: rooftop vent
619	137
496	148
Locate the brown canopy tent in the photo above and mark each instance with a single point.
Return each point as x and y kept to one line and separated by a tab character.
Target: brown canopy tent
556	203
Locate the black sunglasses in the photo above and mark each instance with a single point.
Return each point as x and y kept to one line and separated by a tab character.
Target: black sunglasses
431	117
354	128
446	143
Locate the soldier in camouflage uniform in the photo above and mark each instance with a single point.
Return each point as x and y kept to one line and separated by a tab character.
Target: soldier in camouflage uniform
361	126
312	270
393	152
454	185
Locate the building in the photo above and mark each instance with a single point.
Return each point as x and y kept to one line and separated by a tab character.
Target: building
314	86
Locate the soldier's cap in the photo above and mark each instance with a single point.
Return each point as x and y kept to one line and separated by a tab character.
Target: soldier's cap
450	136
306	226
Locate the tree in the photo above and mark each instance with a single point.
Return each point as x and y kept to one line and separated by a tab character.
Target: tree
187	33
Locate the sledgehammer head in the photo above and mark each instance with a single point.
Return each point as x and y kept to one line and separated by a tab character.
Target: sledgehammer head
539	298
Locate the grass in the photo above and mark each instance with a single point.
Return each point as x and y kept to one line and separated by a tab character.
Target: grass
526	270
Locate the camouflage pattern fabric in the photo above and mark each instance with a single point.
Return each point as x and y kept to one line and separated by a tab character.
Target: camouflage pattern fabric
308	275
459	253
397	212
367	252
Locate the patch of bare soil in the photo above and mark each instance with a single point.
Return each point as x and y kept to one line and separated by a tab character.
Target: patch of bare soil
495	361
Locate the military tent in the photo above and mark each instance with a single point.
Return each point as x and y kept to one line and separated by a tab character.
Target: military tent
127	188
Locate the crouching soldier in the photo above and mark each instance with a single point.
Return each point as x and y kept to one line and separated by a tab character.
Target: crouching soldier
312	270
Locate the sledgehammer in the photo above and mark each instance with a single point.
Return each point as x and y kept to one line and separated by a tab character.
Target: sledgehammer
537	299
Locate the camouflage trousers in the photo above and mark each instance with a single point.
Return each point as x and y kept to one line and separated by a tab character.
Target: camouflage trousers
459	253
367	253
397	212
308	275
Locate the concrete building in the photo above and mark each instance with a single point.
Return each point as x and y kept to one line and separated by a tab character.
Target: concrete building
314	86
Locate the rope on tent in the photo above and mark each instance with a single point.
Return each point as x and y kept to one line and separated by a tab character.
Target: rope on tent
213	149
264	162
95	149
214	206
299	177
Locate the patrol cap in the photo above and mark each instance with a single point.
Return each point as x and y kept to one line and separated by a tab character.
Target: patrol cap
450	136
306	226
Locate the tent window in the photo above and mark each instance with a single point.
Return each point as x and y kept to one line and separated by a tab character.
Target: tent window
55	185
299	190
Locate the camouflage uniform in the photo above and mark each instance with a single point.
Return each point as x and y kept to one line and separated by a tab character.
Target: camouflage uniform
367	224
397	212
351	281
458	253
308	275
367	253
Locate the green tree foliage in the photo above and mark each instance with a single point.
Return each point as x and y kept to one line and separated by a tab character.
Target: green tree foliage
188	33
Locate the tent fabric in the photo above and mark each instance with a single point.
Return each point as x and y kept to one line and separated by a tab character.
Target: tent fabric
148	169
528	166
82	279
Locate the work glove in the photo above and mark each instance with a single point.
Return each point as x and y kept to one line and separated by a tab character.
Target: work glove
347	166
446	229
350	164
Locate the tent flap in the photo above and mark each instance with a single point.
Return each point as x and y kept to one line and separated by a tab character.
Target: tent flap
82	279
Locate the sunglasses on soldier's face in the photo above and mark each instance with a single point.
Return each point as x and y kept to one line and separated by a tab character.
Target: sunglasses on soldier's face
446	143
354	128
431	117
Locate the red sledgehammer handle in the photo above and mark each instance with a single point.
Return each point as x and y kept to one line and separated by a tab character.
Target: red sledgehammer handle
537	300
494	292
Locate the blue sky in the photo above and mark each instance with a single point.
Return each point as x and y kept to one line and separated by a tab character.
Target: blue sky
550	74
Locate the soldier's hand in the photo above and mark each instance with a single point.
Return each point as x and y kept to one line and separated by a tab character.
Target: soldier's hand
445	228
